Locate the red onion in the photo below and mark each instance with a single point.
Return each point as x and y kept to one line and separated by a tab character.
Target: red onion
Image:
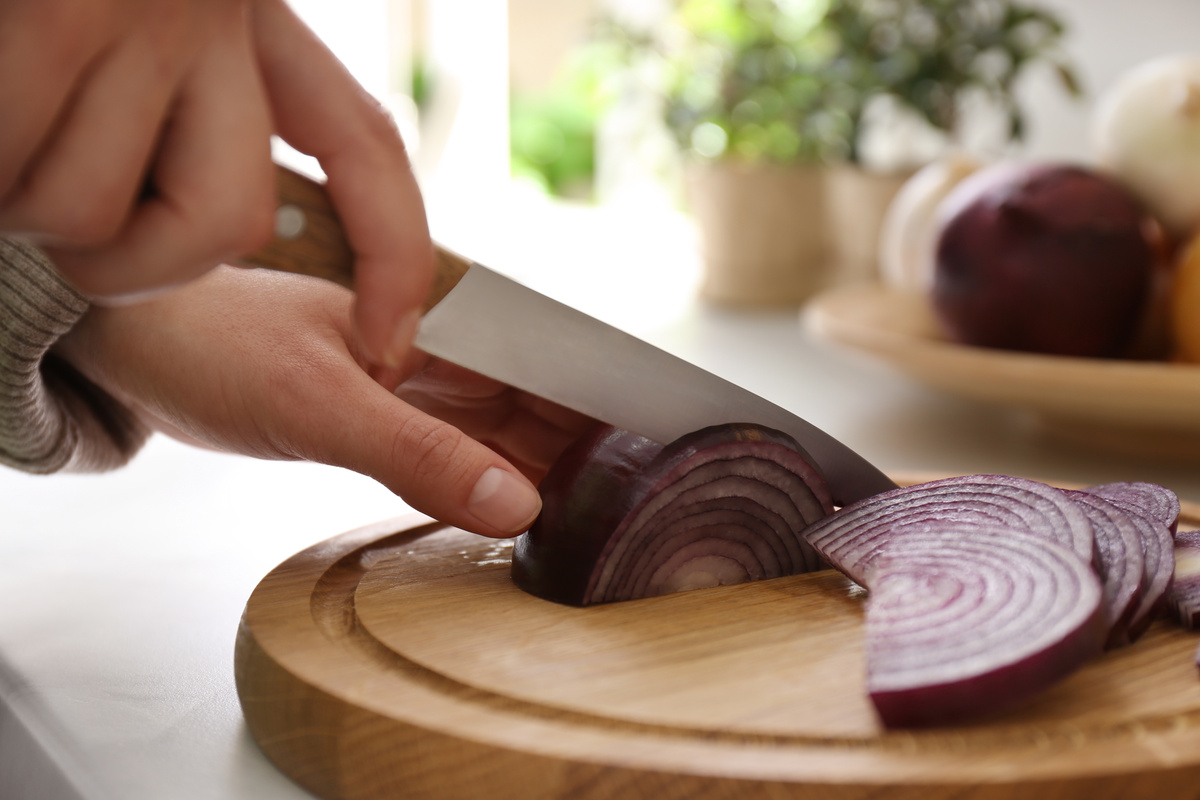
963	623
1049	258
1158	545
858	532
623	518
973	542
1157	501
1122	564
1185	591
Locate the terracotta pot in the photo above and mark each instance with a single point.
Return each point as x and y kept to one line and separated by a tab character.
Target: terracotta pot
762	231
857	201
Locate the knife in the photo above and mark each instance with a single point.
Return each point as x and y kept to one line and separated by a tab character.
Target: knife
488	323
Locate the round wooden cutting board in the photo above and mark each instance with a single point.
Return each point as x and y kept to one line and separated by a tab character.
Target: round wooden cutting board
399	661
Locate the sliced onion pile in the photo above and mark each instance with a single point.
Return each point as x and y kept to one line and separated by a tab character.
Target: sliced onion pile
623	518
1157	501
929	660
1122	563
1158	544
983	589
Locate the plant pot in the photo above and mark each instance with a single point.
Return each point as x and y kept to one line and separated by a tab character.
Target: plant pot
857	200
762	230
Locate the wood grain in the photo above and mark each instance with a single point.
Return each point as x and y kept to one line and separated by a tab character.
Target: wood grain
399	661
311	240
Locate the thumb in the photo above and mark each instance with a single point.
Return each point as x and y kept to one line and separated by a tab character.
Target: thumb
431	465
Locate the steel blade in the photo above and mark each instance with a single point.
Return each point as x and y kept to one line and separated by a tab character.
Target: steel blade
500	328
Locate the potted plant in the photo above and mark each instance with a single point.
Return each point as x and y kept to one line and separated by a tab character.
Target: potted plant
740	87
778	107
937	65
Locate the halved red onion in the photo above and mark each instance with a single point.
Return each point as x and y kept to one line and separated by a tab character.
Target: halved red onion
1122	564
622	519
1184	596
965	622
1157	501
857	533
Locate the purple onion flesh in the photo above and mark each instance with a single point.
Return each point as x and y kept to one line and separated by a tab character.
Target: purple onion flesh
983	592
1122	565
1158	544
983	589
624	518
853	536
962	623
1185	591
1157	501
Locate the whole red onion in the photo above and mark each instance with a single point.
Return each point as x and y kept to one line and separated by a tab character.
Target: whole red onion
1048	258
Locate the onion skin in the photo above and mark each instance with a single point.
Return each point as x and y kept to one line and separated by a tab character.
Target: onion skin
588	490
1145	132
623	518
909	232
1046	258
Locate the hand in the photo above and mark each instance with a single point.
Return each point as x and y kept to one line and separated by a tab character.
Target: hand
264	364
104	98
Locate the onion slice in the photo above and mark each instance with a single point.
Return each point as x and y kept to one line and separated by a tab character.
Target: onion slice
956	625
622	519
1185	591
967	623
857	533
1157	501
1122	567
1158	546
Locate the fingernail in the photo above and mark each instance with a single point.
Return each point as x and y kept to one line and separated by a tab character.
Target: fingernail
402	339
504	501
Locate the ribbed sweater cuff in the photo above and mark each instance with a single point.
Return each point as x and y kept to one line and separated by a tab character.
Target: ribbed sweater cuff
51	417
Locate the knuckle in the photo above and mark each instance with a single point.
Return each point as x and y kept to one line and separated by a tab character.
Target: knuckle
242	218
381	129
427	449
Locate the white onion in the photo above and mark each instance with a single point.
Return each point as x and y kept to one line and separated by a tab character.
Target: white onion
908	235
1147	133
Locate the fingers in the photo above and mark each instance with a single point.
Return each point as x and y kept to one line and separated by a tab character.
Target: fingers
527	430
433	466
212	179
38	72
321	110
68	195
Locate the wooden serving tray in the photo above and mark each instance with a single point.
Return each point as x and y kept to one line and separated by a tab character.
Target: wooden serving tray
399	661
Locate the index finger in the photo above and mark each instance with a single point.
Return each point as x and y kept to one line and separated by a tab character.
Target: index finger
321	110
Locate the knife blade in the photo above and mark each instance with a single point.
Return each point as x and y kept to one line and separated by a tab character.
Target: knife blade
486	322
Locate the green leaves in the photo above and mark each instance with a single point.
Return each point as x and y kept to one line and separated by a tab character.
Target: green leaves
789	80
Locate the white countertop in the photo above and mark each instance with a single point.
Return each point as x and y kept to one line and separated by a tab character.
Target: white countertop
121	593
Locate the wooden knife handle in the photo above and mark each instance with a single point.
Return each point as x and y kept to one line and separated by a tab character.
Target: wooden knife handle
309	240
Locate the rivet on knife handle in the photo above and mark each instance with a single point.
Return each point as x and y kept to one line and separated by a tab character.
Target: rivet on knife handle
309	240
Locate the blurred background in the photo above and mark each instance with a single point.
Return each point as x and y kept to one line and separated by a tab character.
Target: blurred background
567	141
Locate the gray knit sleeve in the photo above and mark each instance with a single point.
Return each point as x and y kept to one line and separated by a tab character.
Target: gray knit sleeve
51	417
